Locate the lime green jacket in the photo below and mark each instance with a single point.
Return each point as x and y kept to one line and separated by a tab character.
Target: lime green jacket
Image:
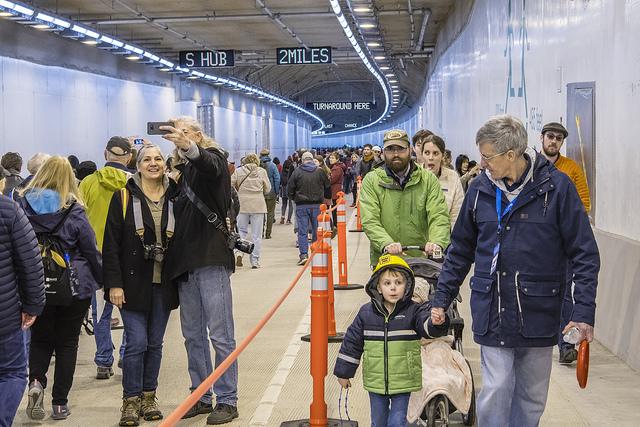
412	216
96	191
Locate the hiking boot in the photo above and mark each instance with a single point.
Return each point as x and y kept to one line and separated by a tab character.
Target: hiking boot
303	259
222	414
198	409
149	406
568	356
104	373
130	411
239	261
35	408
60	412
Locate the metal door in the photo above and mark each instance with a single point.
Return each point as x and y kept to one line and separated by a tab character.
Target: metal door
581	142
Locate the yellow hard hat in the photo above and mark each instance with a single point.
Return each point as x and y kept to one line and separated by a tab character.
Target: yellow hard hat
388	261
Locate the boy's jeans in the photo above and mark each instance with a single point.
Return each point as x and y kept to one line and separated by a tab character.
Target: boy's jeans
515	382
13	375
143	350
206	314
389	410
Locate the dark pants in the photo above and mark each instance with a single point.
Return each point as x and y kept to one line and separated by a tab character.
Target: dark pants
567	312
57	329
271	200
389	410
143	348
354	191
334	213
285	203
13	375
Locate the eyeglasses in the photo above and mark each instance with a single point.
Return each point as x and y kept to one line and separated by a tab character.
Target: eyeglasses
486	159
395	149
552	136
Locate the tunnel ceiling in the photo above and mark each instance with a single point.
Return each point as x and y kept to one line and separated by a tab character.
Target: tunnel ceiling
254	29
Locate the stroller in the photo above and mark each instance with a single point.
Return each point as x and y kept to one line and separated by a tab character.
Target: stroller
447	378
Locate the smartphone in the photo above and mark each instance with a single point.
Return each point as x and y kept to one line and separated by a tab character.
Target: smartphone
138	141
153	128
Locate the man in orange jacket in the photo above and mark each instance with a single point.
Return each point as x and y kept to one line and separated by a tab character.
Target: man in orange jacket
552	137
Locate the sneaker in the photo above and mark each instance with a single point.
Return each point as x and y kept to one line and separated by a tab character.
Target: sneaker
149	406
198	409
104	373
282	220
239	261
303	259
568	356
130	411
222	414
267	237
120	364
288	222
60	412
255	265
35	408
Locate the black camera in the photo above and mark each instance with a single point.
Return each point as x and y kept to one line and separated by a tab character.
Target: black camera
236	242
154	252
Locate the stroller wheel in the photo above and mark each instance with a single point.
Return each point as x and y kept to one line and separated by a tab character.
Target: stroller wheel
470	418
438	411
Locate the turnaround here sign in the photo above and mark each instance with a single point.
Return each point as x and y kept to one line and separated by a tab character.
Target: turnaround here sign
341	106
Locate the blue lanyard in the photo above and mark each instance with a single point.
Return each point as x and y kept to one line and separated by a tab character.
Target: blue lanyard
499	207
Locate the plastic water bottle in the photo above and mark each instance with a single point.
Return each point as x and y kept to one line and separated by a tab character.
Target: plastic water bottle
73	276
573	336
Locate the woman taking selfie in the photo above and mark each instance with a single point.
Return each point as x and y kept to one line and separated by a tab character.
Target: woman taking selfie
139	225
54	208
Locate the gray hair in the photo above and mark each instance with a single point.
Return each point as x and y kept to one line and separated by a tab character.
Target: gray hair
36	161
144	148
505	133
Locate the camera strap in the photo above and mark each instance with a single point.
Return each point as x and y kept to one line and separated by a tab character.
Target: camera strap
137	215
211	216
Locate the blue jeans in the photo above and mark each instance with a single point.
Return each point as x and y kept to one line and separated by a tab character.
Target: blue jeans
143	349
515	383
13	375
206	314
389	410
257	222
102	335
306	214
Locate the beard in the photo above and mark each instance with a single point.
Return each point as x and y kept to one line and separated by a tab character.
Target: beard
550	151
397	164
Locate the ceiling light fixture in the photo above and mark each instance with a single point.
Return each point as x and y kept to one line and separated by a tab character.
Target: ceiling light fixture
41	26
132	57
90	42
361	10
367	25
373	44
384	68
379	58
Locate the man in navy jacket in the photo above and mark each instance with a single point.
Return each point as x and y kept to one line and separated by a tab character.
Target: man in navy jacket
520	245
21	300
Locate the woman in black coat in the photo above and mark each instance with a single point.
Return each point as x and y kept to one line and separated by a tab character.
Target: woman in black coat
139	226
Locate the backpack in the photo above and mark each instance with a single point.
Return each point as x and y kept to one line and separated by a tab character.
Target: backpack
60	280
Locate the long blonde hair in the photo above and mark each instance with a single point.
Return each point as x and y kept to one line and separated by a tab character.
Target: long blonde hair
56	174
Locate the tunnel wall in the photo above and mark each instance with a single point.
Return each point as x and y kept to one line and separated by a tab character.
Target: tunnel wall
543	46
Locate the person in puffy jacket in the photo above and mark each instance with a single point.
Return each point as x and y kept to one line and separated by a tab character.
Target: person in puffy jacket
53	206
386	335
21	301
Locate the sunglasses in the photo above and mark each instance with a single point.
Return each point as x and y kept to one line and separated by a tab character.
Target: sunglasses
553	136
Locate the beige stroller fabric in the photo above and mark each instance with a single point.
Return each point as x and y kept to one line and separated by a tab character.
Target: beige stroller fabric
444	371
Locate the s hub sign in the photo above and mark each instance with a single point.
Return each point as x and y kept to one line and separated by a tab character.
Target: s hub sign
300	55
206	58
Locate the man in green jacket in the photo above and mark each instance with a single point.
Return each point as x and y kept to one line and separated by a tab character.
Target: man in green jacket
402	204
96	191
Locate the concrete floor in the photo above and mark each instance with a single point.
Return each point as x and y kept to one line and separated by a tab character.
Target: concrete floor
274	382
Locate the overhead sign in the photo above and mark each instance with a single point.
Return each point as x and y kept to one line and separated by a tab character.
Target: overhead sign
206	58
341	106
300	55
350	125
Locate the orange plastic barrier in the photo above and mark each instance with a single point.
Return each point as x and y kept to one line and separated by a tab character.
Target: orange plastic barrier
343	282
358	228
582	370
193	398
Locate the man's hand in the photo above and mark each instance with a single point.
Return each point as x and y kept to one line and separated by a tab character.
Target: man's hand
433	249
437	316
27	320
116	296
344	382
585	329
177	137
393	248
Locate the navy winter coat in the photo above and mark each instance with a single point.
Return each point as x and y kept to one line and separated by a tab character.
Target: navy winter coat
76	236
519	305
21	274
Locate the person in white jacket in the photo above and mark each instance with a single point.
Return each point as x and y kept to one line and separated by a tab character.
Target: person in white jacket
252	183
433	150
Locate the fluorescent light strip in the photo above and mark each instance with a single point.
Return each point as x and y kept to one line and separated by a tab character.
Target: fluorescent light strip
40	16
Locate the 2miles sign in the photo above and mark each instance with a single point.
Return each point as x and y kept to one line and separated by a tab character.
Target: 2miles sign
206	58
302	56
